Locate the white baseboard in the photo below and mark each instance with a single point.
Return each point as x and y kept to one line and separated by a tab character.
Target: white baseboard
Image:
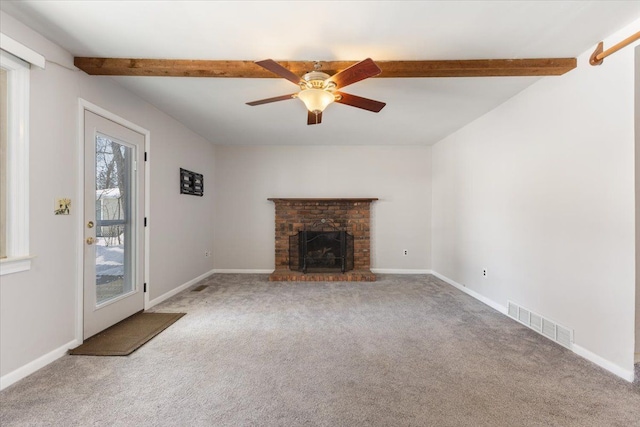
399	271
242	271
603	363
39	363
580	351
179	289
491	303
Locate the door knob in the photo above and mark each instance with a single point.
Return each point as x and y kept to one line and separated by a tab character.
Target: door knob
90	240
90	224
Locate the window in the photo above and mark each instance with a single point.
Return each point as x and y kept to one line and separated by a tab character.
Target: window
3	163
14	164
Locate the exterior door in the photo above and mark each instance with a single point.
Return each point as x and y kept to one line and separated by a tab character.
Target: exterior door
113	223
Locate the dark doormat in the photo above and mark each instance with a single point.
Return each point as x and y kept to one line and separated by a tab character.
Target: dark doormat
125	337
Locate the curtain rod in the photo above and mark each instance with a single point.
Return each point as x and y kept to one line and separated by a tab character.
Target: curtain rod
598	55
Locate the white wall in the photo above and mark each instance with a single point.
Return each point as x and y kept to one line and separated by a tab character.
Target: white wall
637	166
246	176
38	307
540	191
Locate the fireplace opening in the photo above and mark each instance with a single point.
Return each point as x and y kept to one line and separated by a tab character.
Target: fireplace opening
321	251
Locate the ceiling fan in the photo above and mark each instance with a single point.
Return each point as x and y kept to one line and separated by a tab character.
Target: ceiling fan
319	89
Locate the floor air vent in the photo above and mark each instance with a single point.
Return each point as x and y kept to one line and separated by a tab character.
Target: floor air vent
546	327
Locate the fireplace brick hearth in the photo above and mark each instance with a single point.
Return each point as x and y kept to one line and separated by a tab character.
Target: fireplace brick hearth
349	214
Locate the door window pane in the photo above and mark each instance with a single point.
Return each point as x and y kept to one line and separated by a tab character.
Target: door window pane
113	219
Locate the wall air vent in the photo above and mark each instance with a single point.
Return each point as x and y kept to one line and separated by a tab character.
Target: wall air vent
564	336
548	328
536	322
523	316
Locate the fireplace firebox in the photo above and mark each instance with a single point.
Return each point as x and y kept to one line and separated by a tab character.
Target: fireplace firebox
321	251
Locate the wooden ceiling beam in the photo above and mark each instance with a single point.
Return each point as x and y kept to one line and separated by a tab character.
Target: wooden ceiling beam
248	69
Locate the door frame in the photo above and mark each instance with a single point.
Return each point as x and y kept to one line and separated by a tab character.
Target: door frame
84	105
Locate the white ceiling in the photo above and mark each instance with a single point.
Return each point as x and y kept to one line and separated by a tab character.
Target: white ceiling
418	111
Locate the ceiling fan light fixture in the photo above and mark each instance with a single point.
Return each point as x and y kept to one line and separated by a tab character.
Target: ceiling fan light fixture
316	100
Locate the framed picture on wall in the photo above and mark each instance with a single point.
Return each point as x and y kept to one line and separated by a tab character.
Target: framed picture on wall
191	183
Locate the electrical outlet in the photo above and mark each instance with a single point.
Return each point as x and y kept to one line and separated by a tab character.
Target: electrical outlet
484	272
405	252
207	254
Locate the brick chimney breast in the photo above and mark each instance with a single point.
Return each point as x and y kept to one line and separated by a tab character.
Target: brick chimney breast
350	214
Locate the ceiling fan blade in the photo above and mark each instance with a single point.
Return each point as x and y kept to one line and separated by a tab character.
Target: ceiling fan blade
278	69
313	118
360	102
274	99
359	71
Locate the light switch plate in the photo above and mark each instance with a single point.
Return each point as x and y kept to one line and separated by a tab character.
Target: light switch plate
62	206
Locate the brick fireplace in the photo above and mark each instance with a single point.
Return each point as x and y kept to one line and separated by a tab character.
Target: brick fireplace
294	215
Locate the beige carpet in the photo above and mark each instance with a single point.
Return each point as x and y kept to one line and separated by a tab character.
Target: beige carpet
127	336
402	351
